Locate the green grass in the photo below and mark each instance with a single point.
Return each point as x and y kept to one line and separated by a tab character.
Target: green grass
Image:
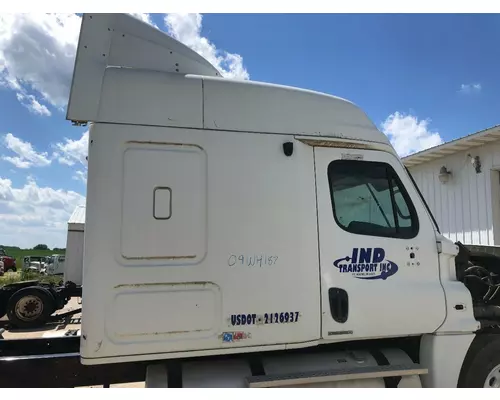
10	277
24	275
13	277
19	254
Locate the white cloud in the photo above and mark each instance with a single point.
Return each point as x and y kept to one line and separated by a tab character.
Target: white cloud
74	152
470	88
145	18
37	52
31	103
26	156
71	152
409	135
186	28
31	214
68	152
17	162
80	176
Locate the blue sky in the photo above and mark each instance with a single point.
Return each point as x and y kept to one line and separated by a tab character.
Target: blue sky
422	79
385	63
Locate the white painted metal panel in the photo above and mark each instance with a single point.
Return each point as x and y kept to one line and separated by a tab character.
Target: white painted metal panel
458	319
261	236
261	107
443	356
151	98
174	232
467	206
160	319
218	374
287	364
409	299
123	41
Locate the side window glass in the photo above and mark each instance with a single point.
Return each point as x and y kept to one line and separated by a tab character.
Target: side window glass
367	198
402	210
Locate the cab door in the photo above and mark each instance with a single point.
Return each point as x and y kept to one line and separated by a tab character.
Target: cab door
378	253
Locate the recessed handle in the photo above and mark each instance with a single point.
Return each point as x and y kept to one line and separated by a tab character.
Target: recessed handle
339	304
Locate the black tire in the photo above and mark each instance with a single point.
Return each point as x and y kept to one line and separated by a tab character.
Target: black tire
30	307
482	358
11	269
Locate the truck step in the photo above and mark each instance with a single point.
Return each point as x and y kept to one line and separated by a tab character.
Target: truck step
307	378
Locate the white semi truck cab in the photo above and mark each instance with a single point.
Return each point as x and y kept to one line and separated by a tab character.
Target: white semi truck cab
260	235
55	264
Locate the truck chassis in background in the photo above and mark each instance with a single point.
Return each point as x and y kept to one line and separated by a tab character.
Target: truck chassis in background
31	304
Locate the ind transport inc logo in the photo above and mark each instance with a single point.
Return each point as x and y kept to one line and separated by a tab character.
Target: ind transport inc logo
367	263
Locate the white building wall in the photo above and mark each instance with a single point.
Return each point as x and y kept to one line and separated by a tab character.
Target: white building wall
73	265
467	207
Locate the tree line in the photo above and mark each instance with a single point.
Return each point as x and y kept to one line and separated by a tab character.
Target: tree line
45	247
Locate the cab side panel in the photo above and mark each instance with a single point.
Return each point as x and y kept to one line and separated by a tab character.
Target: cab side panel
197	240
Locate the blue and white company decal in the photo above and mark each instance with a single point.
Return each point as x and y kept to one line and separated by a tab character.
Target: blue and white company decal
367	263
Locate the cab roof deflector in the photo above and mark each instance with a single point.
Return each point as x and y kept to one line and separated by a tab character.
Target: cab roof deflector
120	40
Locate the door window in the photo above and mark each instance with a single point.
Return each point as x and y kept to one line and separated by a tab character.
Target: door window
369	199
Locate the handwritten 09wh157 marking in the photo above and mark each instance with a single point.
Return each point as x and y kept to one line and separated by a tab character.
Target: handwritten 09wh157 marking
256	260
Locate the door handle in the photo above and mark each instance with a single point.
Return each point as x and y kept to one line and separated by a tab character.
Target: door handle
339	304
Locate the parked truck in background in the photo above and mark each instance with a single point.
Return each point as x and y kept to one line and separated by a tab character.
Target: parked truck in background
55	264
9	263
45	265
243	234
35	263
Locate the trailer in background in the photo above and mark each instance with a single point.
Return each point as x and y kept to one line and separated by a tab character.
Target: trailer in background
73	265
